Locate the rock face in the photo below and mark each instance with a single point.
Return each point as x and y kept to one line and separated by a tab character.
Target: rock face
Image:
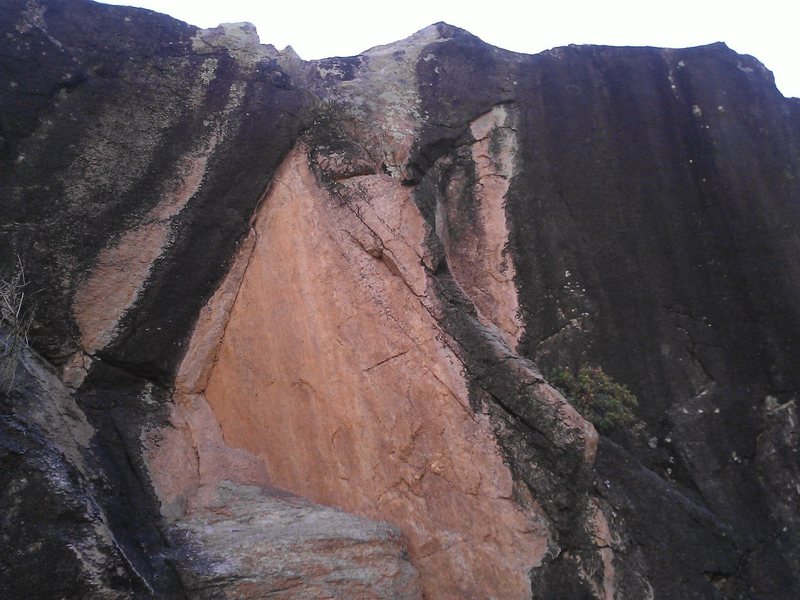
374	405
262	283
257	545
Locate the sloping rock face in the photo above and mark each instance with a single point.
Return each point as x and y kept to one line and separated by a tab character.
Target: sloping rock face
159	146
262	282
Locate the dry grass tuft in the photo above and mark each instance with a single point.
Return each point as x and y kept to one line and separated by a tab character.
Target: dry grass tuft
15	321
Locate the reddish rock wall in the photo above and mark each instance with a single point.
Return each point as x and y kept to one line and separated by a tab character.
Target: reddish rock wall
333	371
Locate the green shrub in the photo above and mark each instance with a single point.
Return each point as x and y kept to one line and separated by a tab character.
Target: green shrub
607	404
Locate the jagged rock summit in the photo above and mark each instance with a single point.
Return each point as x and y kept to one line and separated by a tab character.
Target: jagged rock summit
295	322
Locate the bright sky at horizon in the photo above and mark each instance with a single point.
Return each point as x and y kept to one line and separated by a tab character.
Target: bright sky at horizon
314	29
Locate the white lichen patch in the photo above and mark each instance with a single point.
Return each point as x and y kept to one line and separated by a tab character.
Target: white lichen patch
208	70
239	39
383	99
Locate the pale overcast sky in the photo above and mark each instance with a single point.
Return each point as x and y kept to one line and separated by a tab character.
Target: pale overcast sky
767	29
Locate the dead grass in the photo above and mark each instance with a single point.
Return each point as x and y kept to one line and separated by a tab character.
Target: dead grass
15	321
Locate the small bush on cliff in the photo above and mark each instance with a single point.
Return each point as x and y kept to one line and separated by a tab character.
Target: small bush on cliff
15	320
607	404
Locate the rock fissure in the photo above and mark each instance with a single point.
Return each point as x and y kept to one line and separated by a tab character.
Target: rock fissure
385	360
693	352
384	251
248	249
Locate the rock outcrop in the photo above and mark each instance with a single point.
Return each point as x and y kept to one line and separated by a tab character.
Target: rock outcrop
268	291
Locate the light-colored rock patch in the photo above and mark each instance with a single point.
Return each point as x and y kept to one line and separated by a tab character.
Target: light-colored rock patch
604	541
480	259
257	545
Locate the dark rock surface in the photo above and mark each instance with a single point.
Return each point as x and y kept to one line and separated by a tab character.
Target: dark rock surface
72	525
653	233
652	221
107	101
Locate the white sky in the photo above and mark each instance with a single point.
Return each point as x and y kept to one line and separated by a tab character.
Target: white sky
767	29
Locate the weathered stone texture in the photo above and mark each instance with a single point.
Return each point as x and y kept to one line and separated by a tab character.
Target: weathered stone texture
349	278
